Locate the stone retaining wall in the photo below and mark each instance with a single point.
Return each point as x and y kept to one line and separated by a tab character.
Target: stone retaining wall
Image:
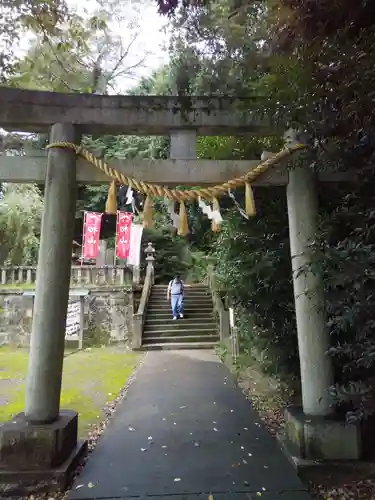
108	316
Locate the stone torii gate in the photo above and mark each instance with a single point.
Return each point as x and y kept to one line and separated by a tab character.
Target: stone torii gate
41	443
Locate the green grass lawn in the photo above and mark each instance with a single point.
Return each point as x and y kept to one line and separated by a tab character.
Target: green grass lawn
15	286
90	379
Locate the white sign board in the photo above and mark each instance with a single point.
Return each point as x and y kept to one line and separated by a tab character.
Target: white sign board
73	321
231	317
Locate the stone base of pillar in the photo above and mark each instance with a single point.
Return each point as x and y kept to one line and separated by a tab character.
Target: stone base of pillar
39	458
310	440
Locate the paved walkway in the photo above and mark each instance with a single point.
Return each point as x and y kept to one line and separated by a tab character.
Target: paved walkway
185	431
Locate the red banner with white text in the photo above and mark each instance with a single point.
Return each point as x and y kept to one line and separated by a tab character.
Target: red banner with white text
91	235
124	224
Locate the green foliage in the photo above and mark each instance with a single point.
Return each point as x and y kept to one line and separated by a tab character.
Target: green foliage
345	250
158	83
254	272
172	254
199	263
84	53
20	218
39	16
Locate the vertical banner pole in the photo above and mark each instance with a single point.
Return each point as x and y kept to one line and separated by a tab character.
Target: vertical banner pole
83	236
115	256
81	321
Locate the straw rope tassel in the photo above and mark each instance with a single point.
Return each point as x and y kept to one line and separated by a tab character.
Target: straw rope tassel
147	212
249	200
206	193
111	203
215	227
183	227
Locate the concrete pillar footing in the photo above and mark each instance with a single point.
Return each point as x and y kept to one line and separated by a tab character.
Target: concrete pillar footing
38	459
313	440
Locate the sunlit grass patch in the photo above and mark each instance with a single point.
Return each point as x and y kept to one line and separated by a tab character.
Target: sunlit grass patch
90	379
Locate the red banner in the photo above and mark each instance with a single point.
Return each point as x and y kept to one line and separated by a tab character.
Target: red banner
124	224
91	235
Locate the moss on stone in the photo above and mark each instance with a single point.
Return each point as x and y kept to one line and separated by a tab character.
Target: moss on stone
96	337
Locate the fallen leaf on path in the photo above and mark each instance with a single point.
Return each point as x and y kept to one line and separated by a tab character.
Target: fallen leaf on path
79	486
90	485
215	429
177	479
131	429
143	449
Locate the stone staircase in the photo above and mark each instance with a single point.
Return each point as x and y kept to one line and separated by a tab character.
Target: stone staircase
197	330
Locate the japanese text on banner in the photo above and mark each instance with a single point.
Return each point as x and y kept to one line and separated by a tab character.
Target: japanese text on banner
91	235
134	258
124	222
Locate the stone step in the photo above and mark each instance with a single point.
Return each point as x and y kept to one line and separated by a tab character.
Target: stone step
187	305
187	296
187	302
180	324
180	339
187	285
188	312
204	319
169	331
187	291
167	311
178	346
166	318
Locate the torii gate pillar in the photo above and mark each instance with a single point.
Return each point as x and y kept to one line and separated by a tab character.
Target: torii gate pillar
312	431
41	444
183	145
313	336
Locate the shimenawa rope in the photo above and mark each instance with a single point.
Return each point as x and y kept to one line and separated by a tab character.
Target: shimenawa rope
182	196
